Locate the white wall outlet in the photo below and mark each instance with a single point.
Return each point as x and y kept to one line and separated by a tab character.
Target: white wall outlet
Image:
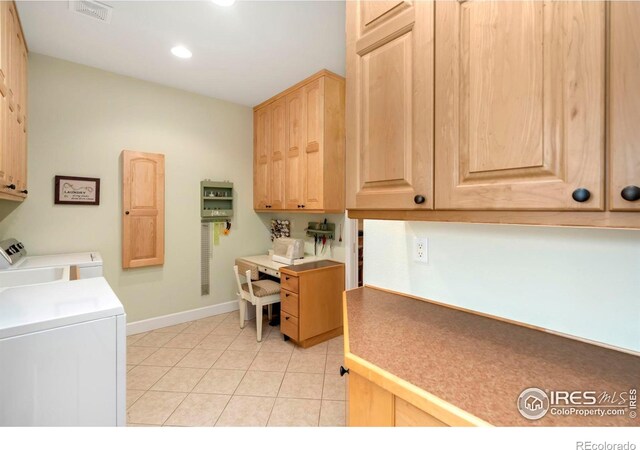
420	250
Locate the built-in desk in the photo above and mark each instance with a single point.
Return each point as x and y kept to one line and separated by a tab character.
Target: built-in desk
268	266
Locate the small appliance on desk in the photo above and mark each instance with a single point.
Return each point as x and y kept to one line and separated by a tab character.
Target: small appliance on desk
287	250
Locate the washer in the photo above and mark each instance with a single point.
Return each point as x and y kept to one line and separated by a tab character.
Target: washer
13	255
63	355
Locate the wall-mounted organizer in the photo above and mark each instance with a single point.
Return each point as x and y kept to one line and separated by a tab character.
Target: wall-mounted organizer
320	229
216	201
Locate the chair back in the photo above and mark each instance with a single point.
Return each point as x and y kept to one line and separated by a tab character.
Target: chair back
241	292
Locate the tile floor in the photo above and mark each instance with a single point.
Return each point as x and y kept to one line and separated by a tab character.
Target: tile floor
212	373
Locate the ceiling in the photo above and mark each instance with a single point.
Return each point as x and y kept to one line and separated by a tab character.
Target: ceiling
245	53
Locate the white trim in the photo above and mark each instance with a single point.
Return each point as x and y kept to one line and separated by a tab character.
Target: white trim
180	317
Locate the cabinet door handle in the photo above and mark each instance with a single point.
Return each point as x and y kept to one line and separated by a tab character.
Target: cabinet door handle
631	193
286	295
24	191
581	195
419	199
286	317
343	371
303	206
126	212
11	186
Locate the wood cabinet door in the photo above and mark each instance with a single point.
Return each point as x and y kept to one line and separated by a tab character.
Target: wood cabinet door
624	106
369	404
519	104
389	104
4	49
278	152
313	158
143	209
294	170
261	155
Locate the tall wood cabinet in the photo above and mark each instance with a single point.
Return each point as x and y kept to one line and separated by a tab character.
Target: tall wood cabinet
299	147
13	105
624	106
143	209
509	112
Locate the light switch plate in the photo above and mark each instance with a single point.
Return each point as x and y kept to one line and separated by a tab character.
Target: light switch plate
420	250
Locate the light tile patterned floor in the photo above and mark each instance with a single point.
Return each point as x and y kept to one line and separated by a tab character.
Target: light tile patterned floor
212	373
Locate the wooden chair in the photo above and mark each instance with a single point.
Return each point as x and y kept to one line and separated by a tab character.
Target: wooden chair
259	293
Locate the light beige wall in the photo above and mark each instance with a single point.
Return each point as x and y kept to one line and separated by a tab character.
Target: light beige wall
80	120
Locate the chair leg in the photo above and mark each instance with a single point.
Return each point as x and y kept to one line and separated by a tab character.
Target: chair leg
242	307
269	313
259	321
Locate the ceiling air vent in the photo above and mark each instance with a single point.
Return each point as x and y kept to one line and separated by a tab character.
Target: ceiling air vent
89	8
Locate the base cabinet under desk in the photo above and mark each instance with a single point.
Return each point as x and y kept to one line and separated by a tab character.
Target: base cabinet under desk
311	301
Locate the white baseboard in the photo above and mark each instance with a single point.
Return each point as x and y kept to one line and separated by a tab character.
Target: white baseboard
184	316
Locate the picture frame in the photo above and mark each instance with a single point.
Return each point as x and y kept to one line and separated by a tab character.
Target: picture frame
70	190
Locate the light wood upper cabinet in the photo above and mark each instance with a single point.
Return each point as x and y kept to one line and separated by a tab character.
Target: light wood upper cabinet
278	152
519	104
390	104
313	159
305	168
294	179
261	156
13	101
624	106
143	209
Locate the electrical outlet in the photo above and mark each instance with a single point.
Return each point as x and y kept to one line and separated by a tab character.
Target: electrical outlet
420	250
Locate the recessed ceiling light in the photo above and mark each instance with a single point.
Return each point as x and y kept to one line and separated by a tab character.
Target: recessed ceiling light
224	2
181	52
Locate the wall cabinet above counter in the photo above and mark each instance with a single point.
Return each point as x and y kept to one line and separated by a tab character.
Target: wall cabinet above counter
532	123
13	105
299	144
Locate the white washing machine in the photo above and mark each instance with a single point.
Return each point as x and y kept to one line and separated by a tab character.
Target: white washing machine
13	255
62	345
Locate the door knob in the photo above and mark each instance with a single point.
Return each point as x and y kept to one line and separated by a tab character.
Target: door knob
419	199
343	371
581	195
631	193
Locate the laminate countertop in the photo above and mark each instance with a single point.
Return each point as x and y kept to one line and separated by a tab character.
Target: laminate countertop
480	364
315	265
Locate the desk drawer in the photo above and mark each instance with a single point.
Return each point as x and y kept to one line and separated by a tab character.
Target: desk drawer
289	302
289	283
289	325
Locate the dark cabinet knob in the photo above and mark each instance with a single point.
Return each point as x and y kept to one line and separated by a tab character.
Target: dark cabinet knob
631	193
24	191
126	212
11	186
343	371
302	206
581	195
286	295
419	199
286	317
286	278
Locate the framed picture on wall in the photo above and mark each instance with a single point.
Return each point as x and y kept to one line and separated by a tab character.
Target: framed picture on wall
76	190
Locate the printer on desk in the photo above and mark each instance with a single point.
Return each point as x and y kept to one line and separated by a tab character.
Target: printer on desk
287	250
